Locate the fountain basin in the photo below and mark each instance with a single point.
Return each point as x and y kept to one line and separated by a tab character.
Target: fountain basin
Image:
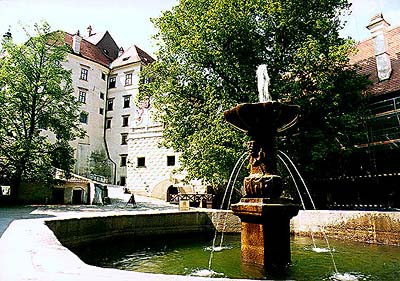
31	245
263	117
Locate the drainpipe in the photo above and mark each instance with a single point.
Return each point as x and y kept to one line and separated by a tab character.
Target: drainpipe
105	133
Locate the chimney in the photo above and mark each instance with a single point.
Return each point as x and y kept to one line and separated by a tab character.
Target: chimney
76	42
378	27
120	52
89	29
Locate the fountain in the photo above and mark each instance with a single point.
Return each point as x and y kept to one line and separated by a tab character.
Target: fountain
265	216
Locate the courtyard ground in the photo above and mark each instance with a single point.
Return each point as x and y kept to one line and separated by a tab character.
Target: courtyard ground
118	205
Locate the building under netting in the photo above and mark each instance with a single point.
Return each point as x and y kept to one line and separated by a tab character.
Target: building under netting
371	177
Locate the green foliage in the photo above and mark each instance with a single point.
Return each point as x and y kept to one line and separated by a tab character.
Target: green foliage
36	102
209	52
99	164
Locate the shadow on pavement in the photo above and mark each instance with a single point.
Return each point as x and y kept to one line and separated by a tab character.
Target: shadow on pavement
9	214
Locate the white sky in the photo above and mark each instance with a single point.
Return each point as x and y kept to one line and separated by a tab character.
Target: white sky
364	10
128	21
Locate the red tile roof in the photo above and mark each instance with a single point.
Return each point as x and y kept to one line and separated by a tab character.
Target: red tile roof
365	58
89	51
94	53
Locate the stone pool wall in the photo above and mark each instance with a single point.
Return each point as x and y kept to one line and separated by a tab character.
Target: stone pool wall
363	226
73	232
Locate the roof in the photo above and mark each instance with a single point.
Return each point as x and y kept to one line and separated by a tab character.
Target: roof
95	38
365	58
132	55
89	51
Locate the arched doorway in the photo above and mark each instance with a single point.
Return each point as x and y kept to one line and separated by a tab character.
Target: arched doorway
171	190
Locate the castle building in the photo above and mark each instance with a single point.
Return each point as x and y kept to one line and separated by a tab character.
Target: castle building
106	83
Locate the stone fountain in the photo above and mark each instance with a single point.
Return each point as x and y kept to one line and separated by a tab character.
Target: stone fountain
265	216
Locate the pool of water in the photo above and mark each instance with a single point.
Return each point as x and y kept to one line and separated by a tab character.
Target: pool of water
189	255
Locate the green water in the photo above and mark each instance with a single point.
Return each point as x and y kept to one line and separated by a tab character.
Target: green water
187	255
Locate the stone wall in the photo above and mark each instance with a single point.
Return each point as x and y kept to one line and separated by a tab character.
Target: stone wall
34	193
368	227
224	221
73	232
362	226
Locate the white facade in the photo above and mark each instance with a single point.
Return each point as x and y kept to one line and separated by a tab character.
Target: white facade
90	91
107	89
120	114
151	168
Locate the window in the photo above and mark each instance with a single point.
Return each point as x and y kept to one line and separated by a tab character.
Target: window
125	120
112	82
122	180
101	111
103	76
110	104
141	162
124	139
102	95
82	96
127	100
128	79
171	160
84	74
108	123
83	117
123	160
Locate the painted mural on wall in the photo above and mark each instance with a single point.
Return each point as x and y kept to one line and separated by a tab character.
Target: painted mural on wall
142	114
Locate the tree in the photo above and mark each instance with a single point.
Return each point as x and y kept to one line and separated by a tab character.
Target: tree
36	102
99	164
208	53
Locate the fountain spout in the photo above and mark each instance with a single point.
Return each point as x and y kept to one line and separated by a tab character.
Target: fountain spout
263	84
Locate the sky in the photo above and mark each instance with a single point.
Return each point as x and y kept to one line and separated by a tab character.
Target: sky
128	21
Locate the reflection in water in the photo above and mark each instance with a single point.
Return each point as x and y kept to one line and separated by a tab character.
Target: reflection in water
189	256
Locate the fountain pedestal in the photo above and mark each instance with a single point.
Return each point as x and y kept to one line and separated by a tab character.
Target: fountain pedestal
265	236
265	216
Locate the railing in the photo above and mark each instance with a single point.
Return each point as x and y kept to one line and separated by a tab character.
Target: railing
191	197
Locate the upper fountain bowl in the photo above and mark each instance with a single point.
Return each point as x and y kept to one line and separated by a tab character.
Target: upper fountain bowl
263	116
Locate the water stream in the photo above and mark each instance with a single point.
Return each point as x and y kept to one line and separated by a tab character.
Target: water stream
235	173
315	249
